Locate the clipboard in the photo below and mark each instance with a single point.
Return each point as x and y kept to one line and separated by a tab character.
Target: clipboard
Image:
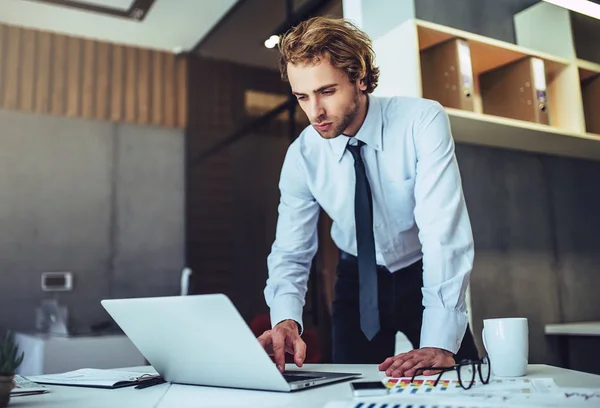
99	378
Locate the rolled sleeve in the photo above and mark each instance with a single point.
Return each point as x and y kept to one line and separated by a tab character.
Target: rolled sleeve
443	328
444	231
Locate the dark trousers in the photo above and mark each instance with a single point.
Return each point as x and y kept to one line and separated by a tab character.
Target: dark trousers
400	309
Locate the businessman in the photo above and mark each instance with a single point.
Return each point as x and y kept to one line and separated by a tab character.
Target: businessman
385	171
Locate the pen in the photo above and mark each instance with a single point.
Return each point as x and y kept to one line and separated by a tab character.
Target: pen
149	383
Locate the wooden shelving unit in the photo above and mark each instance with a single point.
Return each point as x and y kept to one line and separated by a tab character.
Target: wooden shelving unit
400	55
574	36
589	74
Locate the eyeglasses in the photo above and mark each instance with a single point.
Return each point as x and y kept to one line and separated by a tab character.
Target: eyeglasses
465	370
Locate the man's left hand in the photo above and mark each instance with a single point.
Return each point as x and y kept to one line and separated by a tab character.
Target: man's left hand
405	364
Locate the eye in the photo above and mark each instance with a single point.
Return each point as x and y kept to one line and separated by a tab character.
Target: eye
330	92
301	98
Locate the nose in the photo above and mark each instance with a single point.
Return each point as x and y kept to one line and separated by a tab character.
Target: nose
316	111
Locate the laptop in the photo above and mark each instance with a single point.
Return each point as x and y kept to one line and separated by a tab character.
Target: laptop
203	340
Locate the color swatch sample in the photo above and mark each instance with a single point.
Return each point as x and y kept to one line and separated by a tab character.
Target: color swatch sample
496	385
421	386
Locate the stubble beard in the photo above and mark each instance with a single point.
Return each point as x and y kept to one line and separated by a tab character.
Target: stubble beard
348	117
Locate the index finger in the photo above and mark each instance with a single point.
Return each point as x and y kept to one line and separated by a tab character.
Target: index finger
299	351
278	339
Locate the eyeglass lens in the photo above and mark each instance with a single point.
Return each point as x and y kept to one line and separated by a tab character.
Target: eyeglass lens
466	375
485	370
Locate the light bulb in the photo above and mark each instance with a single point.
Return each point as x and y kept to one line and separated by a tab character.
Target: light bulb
272	41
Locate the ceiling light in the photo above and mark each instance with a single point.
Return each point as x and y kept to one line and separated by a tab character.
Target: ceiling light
272	41
587	7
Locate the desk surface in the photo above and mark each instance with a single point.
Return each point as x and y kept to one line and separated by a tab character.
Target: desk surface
574	329
183	396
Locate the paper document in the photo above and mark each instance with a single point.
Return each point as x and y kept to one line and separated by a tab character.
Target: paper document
582	394
509	385
386	403
559	397
499	393
91	377
25	386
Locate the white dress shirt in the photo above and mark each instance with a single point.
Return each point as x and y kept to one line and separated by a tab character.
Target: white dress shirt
419	211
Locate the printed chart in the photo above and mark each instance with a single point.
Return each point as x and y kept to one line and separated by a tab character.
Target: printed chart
409	405
404	385
509	385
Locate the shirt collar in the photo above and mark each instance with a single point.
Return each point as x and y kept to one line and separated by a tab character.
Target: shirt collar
370	132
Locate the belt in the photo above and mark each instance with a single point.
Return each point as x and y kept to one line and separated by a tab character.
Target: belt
345	256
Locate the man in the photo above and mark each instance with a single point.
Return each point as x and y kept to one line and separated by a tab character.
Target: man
384	170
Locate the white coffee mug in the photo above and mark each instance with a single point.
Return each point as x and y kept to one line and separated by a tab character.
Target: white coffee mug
506	341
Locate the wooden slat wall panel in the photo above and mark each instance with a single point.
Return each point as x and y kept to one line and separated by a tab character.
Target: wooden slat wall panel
89	79
103	78
73	76
59	75
12	65
131	74
181	92
55	74
117	83
44	71
2	47
158	86
26	84
170	86
143	88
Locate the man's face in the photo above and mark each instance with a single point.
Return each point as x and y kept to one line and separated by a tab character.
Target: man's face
325	94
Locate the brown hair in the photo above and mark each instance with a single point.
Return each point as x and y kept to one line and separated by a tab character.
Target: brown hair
340	41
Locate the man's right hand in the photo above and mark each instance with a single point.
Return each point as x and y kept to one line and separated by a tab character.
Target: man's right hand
284	338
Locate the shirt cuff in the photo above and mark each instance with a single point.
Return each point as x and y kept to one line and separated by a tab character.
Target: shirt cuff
287	307
443	328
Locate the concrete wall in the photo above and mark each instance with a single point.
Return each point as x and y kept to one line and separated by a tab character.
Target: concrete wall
101	200
536	227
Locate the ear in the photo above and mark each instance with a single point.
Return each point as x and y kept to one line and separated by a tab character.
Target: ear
362	85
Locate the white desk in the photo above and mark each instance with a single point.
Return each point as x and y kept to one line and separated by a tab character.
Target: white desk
183	396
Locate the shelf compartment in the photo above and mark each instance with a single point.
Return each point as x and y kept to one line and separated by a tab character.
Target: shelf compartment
590	92
516	90
488	55
587	69
586	32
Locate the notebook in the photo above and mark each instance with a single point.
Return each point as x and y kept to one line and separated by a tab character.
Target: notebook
96	378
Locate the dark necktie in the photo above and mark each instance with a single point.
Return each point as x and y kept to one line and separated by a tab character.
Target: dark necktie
365	240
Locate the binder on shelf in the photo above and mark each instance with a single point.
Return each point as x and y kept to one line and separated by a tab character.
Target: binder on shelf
447	74
590	91
516	90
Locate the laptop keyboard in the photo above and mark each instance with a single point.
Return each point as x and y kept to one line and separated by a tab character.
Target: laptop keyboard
299	377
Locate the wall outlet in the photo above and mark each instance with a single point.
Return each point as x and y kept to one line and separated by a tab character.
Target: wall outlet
57	281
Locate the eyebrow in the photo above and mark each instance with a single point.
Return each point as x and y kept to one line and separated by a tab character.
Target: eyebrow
321	89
